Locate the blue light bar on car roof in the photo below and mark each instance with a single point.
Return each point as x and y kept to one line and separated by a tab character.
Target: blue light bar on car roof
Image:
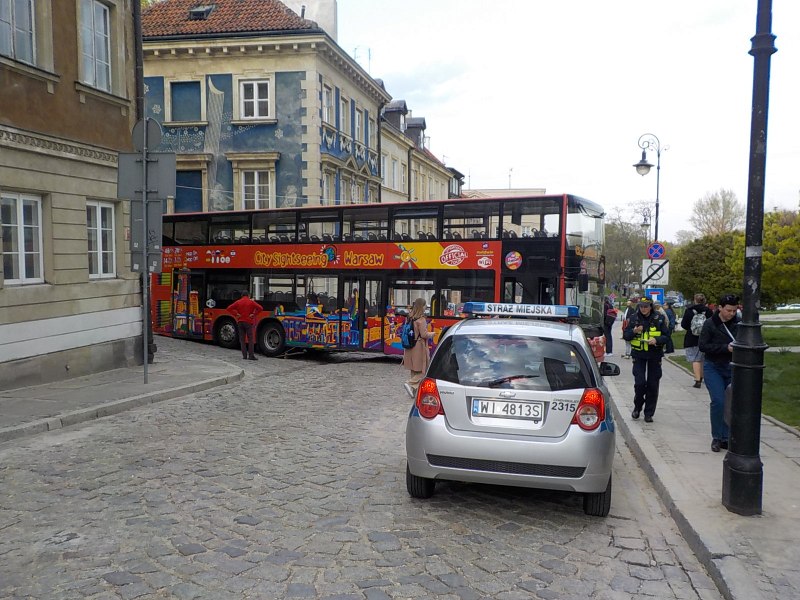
540	311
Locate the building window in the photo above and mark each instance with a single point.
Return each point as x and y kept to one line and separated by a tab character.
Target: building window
100	234
359	134
16	30
346	190
403	168
384	169
328	188
185	101
254	98
255	189
394	174
327	104
373	134
21	233
96	44
344	116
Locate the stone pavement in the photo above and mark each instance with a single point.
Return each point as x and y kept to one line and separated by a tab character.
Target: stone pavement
748	557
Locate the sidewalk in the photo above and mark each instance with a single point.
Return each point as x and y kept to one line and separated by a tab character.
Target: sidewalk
748	557
37	409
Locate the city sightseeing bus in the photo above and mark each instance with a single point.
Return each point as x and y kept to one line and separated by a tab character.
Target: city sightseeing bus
344	277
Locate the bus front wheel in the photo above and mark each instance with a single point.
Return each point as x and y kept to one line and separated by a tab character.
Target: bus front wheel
272	339
226	334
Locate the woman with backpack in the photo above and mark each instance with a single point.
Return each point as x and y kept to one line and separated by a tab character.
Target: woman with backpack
692	324
417	358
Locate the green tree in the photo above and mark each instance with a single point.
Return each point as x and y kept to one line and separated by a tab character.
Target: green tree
780	266
717	213
704	266
625	247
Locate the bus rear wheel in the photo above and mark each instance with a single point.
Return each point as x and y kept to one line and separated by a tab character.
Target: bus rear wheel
226	334
272	339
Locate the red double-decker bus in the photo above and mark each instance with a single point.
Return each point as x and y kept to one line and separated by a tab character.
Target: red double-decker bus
343	277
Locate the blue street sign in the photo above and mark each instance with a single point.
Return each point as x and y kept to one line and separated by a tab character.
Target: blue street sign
655	294
656	250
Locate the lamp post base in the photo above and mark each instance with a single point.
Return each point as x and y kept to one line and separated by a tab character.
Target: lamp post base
742	482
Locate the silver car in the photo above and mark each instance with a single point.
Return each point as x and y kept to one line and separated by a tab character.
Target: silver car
517	402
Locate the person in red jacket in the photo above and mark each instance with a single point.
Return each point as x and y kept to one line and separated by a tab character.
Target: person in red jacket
246	310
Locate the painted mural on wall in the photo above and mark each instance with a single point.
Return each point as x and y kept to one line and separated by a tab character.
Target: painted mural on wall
218	134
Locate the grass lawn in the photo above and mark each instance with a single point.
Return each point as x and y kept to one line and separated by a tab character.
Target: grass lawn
780	398
775	337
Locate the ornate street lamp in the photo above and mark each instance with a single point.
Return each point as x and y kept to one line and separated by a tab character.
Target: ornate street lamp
648	141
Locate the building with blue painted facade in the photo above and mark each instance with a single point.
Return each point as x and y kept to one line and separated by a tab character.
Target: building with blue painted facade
261	106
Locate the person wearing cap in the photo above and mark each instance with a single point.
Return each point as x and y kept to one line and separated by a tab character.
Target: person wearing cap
716	344
648	333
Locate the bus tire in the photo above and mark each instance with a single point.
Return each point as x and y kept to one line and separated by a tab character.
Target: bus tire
226	333
272	339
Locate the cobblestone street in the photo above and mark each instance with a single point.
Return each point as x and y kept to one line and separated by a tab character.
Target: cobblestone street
291	484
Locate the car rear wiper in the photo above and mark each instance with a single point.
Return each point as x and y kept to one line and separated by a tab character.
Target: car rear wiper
506	379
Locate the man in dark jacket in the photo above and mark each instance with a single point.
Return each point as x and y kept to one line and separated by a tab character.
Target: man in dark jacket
648	333
690	339
716	343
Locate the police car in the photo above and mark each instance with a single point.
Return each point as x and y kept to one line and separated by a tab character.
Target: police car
516	401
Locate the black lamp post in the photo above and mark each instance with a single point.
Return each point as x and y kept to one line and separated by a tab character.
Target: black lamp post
742	471
649	141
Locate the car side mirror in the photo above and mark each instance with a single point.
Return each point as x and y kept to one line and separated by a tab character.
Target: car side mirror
608	369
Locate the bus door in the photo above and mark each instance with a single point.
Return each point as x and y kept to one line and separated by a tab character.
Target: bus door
361	326
188	300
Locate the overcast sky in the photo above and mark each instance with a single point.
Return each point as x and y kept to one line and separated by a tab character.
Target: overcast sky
557	92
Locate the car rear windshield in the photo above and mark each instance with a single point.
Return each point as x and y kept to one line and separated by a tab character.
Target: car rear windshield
516	362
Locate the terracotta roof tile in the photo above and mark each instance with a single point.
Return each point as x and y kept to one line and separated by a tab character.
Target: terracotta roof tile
169	18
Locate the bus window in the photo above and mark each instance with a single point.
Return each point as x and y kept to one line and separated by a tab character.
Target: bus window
366	224
318	226
229	229
466	286
223	288
415	224
537	217
282	227
403	291
191	232
471	220
280	291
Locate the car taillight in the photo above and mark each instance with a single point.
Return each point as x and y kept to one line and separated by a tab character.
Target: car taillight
591	410
429	404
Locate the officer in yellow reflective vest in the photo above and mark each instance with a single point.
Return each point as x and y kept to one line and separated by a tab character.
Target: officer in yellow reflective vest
648	333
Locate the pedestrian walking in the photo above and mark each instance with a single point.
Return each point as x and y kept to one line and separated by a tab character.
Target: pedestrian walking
648	333
609	317
692	324
246	310
672	321
716	344
629	312
416	359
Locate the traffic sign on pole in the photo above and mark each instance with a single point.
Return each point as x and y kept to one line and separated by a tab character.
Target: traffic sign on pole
656	250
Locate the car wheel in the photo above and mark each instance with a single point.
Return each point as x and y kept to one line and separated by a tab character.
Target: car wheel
599	504
419	487
226	334
272	339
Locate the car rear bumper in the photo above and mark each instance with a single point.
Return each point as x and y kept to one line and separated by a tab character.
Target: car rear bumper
579	461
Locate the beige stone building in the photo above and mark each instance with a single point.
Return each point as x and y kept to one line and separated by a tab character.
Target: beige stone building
69	304
411	172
